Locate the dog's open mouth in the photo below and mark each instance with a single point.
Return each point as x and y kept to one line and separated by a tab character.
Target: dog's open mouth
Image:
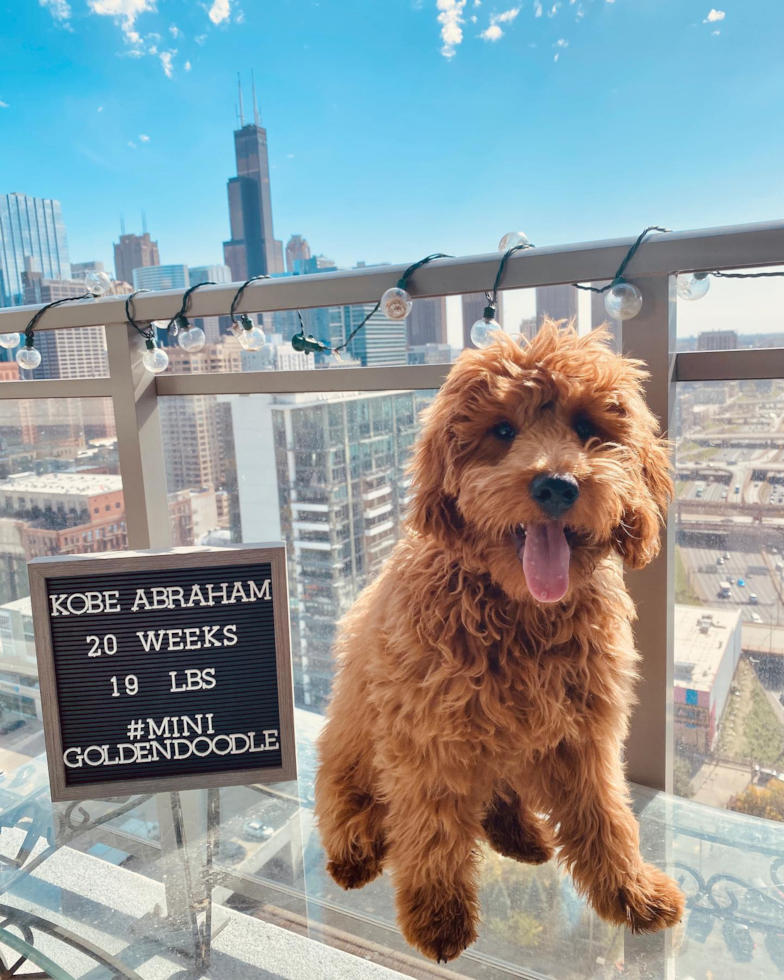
545	551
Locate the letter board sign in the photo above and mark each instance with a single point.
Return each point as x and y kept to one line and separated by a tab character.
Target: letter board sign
164	670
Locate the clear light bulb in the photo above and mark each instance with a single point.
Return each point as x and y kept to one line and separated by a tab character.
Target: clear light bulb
9	340
396	304
482	332
623	300
28	358
192	339
512	239
98	283
160	324
253	339
155	359
691	286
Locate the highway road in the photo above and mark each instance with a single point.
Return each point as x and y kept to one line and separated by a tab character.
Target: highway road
705	574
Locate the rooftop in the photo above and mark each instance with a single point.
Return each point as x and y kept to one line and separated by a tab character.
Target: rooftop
701	638
84	484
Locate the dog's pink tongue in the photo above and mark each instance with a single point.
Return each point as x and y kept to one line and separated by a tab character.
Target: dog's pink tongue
546	561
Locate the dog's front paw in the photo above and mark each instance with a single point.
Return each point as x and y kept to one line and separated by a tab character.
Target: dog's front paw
438	924
647	901
354	874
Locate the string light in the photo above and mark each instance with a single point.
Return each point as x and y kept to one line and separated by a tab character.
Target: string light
9	340
98	283
250	336
692	285
623	300
395	303
483	331
155	359
189	337
28	358
513	238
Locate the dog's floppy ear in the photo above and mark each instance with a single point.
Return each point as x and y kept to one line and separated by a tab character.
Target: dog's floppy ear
638	536
433	509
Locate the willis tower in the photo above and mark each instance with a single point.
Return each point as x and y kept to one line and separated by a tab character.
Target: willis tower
252	249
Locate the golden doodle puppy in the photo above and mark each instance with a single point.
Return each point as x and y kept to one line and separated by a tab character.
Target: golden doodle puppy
486	676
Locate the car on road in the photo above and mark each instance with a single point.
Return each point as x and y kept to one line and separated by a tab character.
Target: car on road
255	830
756	618
726	555
741	583
719	560
753	600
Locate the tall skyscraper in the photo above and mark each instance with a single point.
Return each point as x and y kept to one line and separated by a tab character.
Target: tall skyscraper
32	236
381	342
252	249
162	277
473	307
599	316
427	322
134	252
297	250
557	302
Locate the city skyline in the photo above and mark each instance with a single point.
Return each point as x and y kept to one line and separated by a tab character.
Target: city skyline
380	160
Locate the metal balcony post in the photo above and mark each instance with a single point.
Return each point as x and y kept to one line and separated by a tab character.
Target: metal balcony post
650	336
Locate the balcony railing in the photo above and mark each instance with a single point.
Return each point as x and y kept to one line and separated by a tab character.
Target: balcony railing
137	395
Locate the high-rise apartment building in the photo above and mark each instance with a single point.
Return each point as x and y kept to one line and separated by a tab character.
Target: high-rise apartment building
162	277
380	343
32	236
717	340
426	323
557	302
72	354
297	253
326	472
209	273
599	316
38	289
252	249
134	252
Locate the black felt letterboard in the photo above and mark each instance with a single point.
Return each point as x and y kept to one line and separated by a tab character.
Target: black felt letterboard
164	670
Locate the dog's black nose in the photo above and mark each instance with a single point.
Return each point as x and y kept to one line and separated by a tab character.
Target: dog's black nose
554	494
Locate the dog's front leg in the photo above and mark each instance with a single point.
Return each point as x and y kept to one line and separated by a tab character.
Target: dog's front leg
432	834
599	838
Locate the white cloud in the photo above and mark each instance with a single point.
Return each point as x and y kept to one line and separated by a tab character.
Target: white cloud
132	144
175	31
477	3
135	53
59	9
554	10
240	17
714	15
537	8
493	33
187	66
561	43
219	11
200	38
450	18
557	56
166	60
473	18
506	17
124	11
715	33
3	105
144	137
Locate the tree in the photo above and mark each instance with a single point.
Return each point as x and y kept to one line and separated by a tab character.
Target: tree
767	802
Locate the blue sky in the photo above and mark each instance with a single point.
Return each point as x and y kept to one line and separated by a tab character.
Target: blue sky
396	127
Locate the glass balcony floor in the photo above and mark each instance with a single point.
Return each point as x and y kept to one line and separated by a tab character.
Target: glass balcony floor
106	871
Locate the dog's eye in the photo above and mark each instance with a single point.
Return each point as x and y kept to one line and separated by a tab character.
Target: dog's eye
505	431
585	429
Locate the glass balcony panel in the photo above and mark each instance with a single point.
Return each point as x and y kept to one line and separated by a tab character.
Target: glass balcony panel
734	314
729	591
66	355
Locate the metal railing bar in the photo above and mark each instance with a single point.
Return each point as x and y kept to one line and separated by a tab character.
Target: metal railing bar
421	376
735	247
764	363
77	388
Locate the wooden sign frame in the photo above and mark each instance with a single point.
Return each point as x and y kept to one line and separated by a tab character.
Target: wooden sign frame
44	570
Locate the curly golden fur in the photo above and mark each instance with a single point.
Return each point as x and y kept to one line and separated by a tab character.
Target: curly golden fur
465	708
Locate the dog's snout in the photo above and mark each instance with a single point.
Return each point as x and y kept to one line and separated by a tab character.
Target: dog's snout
555	493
